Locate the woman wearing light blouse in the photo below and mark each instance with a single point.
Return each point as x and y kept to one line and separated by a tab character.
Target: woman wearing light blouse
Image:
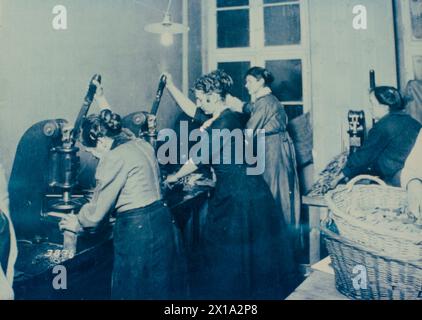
411	178
128	185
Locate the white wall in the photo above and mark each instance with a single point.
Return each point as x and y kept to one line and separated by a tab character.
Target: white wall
44	73
341	58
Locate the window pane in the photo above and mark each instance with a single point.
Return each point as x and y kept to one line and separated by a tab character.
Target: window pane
293	111
288	79
278	1
282	25
233	28
416	13
232	3
237	71
417	67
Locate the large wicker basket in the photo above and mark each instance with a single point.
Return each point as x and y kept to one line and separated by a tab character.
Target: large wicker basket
344	199
363	274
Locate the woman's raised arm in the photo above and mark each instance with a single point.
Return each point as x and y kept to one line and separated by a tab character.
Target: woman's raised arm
183	101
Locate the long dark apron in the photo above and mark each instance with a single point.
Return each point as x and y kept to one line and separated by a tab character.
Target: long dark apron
4	241
146	265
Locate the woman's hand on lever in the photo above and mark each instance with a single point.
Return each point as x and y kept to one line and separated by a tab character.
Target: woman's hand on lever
169	79
183	101
99	96
99	90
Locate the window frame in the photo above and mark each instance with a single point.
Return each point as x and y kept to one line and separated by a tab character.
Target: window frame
411	46
257	53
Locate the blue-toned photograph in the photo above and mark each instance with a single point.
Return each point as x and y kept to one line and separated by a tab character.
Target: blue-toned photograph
224	152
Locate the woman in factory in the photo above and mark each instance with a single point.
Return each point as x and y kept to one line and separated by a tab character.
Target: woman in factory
389	142
128	182
245	248
267	113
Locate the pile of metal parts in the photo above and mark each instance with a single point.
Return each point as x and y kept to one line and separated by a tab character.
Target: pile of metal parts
324	182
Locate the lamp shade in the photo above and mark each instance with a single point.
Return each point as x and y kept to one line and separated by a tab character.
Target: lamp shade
166	26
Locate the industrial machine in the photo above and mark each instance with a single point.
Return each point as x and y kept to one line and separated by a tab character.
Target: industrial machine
64	159
50	174
357	129
144	124
357	122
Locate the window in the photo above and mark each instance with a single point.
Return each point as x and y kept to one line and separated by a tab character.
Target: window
417	67
416	17
410	48
233	28
267	33
281	24
236	70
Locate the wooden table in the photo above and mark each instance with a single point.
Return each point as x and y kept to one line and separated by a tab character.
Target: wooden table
89	271
318	211
317	286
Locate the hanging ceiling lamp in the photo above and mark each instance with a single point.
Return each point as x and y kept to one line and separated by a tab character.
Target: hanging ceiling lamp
167	29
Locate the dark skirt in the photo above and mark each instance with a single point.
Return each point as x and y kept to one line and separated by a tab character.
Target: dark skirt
146	263
281	176
4	241
246	254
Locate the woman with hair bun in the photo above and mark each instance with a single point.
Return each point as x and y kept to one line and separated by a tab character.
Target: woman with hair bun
389	142
245	251
197	110
128	184
267	113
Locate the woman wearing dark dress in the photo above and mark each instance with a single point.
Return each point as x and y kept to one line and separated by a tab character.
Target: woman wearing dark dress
245	249
267	113
389	142
128	183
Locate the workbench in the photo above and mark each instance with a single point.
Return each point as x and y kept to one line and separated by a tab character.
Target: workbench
88	273
318	211
319	285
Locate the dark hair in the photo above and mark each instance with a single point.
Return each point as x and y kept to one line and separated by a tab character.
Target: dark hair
106	124
261	73
217	81
389	96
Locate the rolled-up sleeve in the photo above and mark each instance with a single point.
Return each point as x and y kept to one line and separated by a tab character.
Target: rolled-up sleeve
111	178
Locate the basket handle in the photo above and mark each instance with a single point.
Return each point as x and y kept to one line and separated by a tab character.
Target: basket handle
355	180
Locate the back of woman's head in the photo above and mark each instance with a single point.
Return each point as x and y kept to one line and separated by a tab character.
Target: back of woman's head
261	73
106	124
389	96
217	81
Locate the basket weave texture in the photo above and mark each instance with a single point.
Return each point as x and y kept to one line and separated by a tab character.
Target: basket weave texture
343	200
388	262
361	274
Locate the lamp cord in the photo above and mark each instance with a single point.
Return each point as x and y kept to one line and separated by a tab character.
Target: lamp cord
147	6
168	7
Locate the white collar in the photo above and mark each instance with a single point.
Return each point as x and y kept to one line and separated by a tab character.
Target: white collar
261	93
